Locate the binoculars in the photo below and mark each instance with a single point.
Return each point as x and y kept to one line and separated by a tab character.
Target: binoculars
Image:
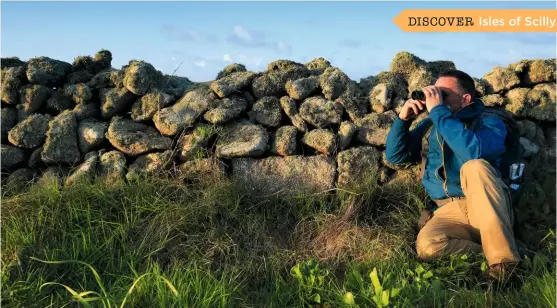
420	96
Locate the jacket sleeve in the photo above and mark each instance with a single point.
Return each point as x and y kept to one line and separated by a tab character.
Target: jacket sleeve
404	146
487	142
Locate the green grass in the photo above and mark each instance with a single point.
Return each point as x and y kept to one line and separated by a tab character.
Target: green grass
159	243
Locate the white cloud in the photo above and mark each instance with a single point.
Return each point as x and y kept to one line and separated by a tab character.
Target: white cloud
242	34
226	57
201	63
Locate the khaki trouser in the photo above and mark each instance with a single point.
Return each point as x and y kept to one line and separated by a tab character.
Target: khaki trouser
480	222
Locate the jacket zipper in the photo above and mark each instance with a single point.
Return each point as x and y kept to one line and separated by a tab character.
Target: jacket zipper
441	144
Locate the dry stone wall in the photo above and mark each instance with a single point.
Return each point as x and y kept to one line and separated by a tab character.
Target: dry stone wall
291	128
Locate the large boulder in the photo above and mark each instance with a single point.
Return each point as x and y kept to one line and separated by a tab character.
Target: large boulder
500	79
80	93
405	63
322	140
114	101
47	72
542	106
346	132
31	132
135	139
172	120
291	110
12	157
91	134
21	177
231	69
176	86
102	60
202	169
267	111
232	83
8	62
532	132
333	82
318	65
374	128
387	90
79	77
149	104
61	140
87	111
480	86
493	100
419	79
223	110
273	82
284	141
242	139
59	102
358	166
537	71
141	77
302	88
149	164
32	97
85	172
287	176
321	112
13	78
35	161
112	166
8	121
194	144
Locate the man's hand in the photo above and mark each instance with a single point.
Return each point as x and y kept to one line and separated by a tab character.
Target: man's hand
433	97
410	109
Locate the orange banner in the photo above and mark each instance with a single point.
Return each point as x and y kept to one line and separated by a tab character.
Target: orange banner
479	20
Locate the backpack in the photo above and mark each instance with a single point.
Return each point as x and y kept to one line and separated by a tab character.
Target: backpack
514	168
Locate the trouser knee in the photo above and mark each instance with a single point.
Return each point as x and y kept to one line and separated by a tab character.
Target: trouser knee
429	250
475	166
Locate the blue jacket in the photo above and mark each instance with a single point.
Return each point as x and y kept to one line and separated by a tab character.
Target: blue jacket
450	145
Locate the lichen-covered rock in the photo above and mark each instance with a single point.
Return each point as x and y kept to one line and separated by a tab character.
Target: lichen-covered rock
85	172
345	134
493	100
80	93
8	62
61	145
283	65
54	175
59	102
419	79
91	134
374	128
551	142
12	157
114	101
13	78
112	166
291	110
517	99
232	83
318	65
321	112
176	86
242	139
102	60
302	88
32	97
35	161
480	85
358	166
273	83
21	177
135	139
194	144
542	107
380	97
107	79
87	111
405	63
284	141
171	120
267	111
549	88
47	72
223	110
149	104
500	79
202	169
83	63
141	77
8	121
79	77
355	107
322	140
333	82
532	132
535	71
288	176
149	164
231	69
440	67
396	91
31	132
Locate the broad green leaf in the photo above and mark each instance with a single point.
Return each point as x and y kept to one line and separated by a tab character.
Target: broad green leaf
428	275
385	298
375	280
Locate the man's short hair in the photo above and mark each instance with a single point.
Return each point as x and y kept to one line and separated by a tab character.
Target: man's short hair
464	80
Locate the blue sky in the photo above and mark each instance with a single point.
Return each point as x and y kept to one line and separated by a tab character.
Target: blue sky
358	37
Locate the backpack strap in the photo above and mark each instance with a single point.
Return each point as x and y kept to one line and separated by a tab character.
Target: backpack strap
425	150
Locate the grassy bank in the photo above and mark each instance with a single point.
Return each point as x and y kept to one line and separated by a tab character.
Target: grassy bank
160	243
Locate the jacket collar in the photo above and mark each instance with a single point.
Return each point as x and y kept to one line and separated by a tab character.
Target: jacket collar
474	109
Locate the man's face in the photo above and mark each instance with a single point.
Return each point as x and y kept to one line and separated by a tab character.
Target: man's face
454	98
